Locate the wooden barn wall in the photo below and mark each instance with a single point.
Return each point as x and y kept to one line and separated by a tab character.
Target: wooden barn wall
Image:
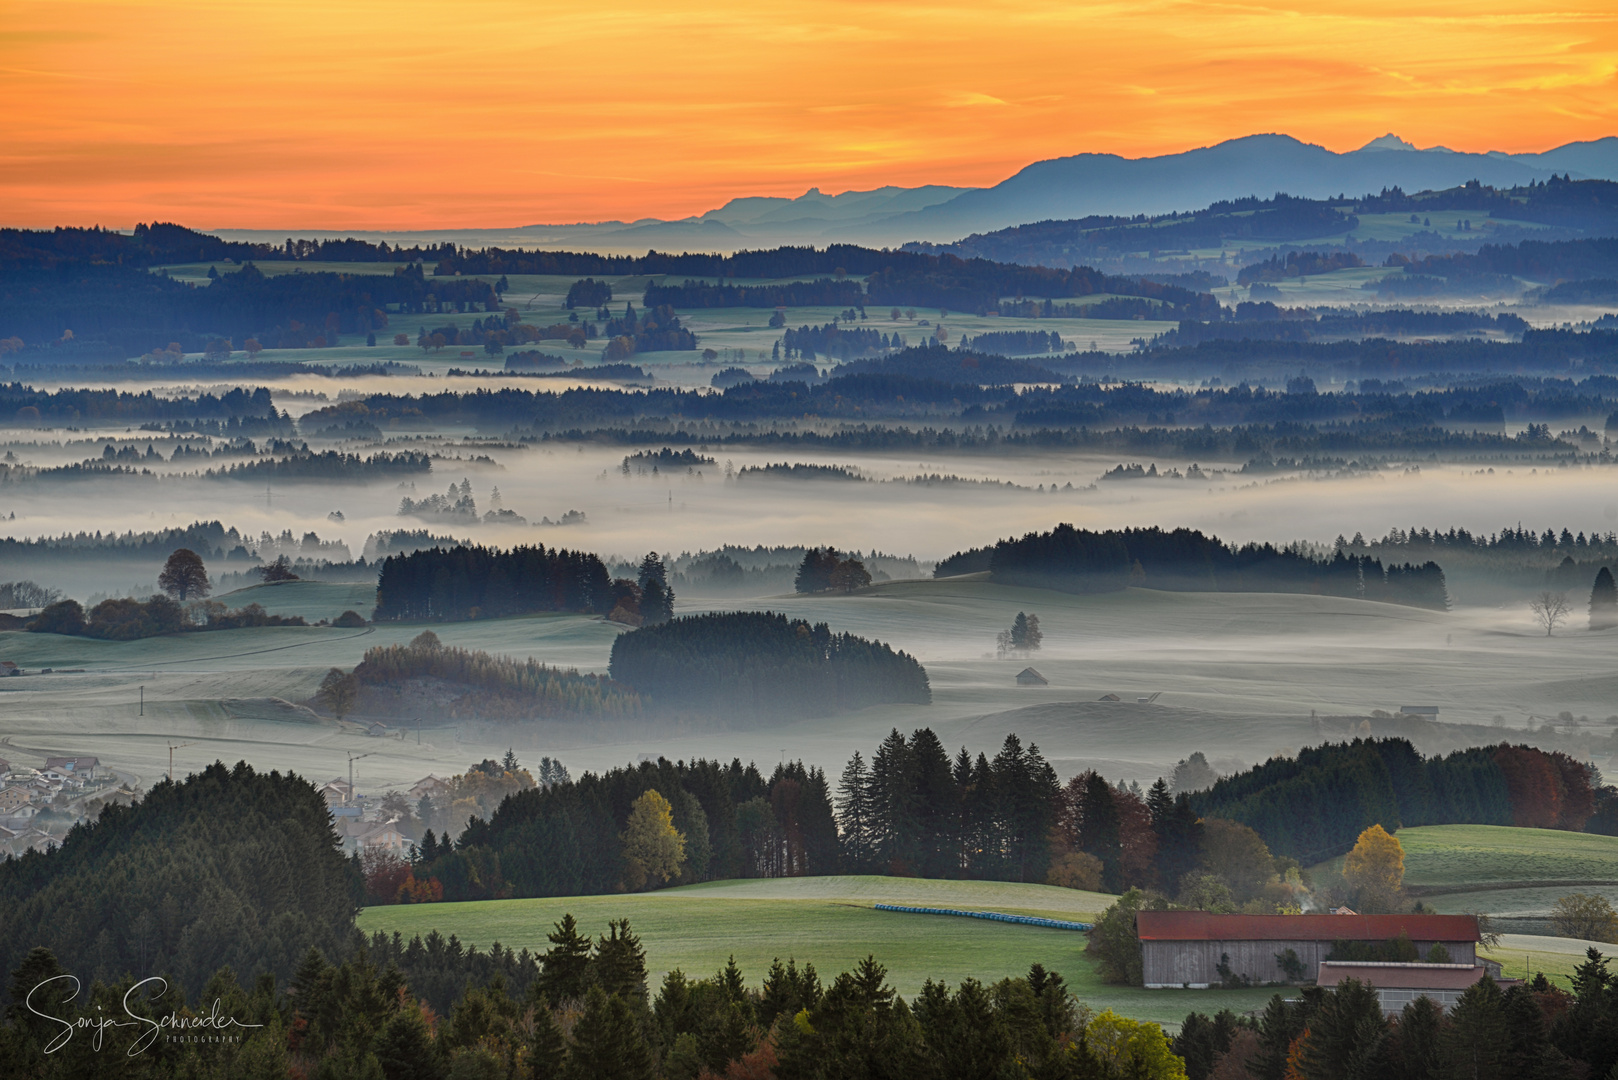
1176	963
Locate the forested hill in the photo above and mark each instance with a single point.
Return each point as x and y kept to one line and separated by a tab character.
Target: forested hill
1588	206
230	866
1082	561
1312	807
760	664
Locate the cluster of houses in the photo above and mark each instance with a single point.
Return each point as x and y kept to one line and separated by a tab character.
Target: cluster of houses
38	806
1199	949
366	826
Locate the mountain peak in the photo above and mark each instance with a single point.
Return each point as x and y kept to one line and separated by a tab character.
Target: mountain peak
1390	141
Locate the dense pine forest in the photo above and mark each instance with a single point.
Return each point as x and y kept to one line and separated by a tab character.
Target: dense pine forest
1312	807
1535	1029
228	867
459	583
760	664
1082	561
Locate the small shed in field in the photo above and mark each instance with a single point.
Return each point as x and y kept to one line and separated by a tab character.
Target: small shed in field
1029	677
1187	948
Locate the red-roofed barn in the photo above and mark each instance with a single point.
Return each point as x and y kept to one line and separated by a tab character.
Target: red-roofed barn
1187	948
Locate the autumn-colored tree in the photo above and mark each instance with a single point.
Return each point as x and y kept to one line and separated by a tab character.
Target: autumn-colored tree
1075	870
654	849
252	348
401	339
1376	868
1533	784
1133	1048
184	577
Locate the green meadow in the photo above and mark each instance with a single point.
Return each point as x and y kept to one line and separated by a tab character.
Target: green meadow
831	923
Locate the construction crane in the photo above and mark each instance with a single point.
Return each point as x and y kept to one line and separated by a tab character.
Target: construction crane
349	796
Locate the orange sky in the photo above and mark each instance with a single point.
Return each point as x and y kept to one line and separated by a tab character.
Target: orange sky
397	115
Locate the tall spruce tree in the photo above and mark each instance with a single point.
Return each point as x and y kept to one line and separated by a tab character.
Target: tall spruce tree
893	816
1100	835
854	813
1603	601
1476	1044
607	1042
565	966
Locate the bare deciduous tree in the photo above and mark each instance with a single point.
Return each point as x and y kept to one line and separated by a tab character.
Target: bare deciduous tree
1550	610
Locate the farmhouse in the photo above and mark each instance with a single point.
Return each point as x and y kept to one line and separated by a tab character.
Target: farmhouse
1029	677
1188	948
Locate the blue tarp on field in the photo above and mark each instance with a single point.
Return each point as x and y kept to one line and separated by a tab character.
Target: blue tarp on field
995	916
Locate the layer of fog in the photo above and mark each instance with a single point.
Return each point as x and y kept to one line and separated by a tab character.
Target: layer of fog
700	509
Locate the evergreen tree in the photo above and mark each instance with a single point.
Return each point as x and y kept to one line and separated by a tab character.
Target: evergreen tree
607	1042
935	848
1531	1055
892	800
652	569
656	603
1415	1051
547	1049
1476	1044
1100	834
1347	1037
620	962
565	966
405	1048
1603	601
854	813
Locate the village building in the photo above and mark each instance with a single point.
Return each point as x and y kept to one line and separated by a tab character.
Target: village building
1199	949
83	767
1029	677
430	786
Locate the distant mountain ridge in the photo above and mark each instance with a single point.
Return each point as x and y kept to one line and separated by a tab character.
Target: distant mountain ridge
1086	184
1058	188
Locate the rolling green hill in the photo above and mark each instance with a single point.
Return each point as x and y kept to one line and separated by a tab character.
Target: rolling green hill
831	923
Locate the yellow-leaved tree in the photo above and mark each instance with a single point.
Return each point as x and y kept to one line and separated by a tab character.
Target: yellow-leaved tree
1375	869
654	850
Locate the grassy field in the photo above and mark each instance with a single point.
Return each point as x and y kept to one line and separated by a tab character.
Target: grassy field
1500	871
831	923
1451	855
1524	955
314	600
1441	859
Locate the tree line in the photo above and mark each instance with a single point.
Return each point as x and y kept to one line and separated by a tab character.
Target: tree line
130	311
1081	560
1531	1030
1313	807
581	1010
763	664
473	582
